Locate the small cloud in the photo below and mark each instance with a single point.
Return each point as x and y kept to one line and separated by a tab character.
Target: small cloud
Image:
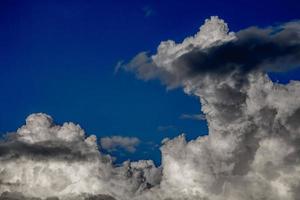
118	66
148	11
198	117
119	142
166	128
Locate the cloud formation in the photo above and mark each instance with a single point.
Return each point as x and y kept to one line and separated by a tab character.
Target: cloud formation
252	148
215	50
251	151
43	160
113	143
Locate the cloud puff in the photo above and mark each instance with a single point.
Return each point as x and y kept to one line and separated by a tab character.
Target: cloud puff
112	143
251	151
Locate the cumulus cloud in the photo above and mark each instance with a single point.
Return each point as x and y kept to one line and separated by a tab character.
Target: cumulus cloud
113	143
252	148
42	160
251	151
215	50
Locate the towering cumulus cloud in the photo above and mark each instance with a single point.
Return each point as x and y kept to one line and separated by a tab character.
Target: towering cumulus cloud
252	151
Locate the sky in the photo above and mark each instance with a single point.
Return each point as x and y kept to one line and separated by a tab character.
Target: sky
59	58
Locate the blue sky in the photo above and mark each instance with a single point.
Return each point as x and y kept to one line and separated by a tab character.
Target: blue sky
58	57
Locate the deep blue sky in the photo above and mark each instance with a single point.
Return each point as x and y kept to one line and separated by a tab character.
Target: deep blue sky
58	57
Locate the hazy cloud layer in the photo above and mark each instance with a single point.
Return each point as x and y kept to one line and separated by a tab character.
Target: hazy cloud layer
252	150
114	142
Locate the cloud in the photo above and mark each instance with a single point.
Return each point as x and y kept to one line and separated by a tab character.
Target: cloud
19	196
215	50
43	159
118	66
198	117
148	11
112	143
251	151
252	146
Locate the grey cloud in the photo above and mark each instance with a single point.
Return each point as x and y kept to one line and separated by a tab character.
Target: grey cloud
274	48
112	143
143	66
19	196
43	159
44	150
254	48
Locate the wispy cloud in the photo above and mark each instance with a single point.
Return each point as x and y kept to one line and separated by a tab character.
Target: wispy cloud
148	11
198	117
119	142
118	66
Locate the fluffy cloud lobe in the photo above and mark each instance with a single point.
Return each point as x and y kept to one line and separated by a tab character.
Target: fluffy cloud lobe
251	152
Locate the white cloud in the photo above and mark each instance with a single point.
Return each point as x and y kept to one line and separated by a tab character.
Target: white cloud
43	159
112	143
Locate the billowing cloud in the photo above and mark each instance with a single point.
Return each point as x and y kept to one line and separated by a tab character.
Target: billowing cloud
43	160
114	142
215	50
252	149
251	152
